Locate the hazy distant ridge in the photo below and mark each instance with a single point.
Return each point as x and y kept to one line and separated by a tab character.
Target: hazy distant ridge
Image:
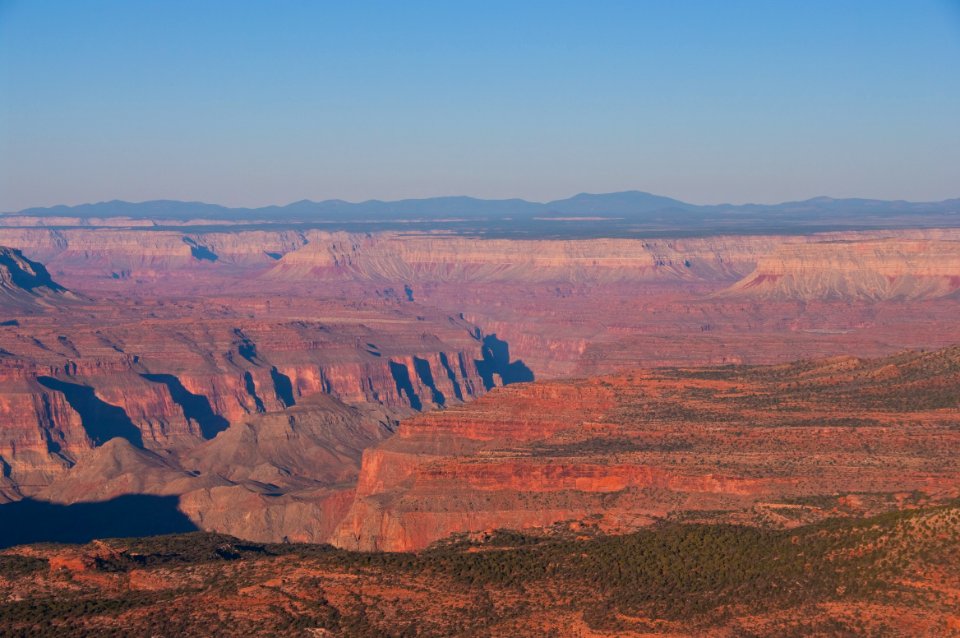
634	204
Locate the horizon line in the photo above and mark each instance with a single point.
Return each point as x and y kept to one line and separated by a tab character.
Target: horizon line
814	198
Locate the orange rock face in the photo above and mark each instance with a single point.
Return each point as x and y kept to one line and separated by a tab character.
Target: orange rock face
768	444
181	376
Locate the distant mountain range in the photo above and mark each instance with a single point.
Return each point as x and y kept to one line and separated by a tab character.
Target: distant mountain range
625	212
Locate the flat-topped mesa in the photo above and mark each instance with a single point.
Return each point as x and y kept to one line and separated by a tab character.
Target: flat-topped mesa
103	254
772	445
866	270
425	258
102	258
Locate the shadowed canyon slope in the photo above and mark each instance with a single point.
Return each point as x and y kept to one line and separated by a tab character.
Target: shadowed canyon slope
119	395
25	285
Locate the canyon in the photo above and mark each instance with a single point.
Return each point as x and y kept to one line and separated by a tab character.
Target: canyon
319	431
244	371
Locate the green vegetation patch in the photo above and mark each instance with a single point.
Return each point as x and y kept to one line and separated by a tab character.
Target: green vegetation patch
16	566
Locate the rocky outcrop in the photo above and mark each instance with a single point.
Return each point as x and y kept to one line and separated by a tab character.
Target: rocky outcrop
172	376
741	444
315	443
25	285
250	410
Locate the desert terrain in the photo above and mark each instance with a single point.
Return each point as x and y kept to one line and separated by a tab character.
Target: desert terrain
888	575
401	423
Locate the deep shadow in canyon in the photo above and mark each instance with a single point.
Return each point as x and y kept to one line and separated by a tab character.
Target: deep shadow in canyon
283	387
101	420
496	361
195	406
401	377
251	389
457	390
24	279
32	521
422	368
200	252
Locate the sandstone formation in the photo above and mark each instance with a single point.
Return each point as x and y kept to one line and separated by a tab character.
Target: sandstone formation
845	270
565	306
778	445
106	257
165	383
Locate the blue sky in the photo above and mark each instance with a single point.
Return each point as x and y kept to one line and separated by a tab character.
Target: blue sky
250	103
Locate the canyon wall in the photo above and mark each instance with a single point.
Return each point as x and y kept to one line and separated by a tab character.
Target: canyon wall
110	254
26	286
778	445
172	384
851	270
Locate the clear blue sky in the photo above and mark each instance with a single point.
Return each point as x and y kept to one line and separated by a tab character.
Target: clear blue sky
249	103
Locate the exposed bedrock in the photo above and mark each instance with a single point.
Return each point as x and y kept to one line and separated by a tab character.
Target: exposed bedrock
112	255
854	270
286	474
778	445
26	286
54	412
105	257
251	411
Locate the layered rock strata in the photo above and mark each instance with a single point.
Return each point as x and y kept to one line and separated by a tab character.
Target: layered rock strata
854	270
779	445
